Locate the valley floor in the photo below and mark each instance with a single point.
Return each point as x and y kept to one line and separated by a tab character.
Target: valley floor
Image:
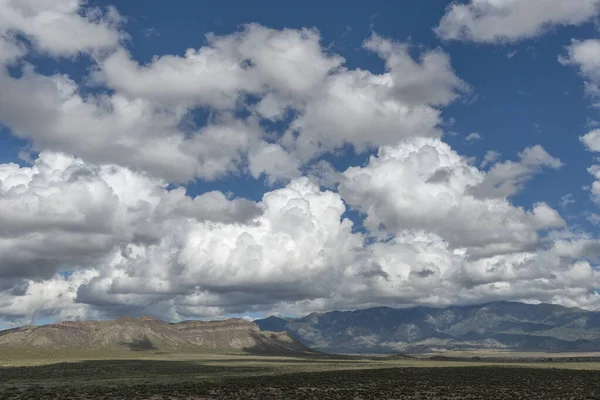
239	376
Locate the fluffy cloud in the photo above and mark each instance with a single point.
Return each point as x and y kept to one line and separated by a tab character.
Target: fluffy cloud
288	70
423	184
267	74
273	161
139	241
511	20
396	104
55	297
507	178
253	61
417	267
490	158
429	81
155	246
61	27
51	111
473	137
591	141
63	214
585	55
541	275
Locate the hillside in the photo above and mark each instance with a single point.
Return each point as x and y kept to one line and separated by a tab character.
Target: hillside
500	325
147	334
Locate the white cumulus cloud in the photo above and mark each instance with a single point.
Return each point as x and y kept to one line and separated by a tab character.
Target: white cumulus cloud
491	21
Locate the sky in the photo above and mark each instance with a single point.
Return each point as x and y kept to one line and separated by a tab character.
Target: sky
202	160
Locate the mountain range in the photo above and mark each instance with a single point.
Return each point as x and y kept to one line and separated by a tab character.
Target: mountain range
509	326
151	334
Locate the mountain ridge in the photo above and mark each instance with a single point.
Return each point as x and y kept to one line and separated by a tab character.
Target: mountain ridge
502	325
151	334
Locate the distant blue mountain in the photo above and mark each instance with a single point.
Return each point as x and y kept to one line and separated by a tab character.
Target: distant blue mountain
500	325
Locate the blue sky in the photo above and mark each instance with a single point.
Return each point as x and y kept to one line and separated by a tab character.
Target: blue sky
416	148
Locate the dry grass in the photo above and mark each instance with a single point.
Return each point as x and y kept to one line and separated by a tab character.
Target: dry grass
35	357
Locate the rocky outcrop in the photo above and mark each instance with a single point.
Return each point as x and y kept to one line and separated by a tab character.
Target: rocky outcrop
148	333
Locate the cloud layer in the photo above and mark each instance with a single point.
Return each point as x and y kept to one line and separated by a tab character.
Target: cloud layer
89	240
102	222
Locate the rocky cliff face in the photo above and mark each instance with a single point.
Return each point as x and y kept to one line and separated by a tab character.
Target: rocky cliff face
147	333
500	325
